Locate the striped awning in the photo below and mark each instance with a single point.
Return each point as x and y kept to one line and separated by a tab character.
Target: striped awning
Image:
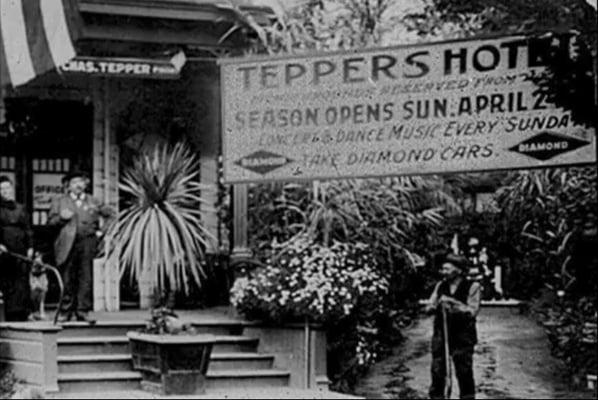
36	36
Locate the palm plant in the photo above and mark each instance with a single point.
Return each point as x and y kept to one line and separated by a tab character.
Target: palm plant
160	231
384	212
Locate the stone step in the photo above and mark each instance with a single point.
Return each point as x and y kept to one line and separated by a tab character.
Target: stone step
92	345
122	362
98	382
240	361
116	328
73	364
246	379
255	393
100	328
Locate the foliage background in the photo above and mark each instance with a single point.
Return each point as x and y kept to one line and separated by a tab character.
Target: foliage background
399	218
538	237
545	234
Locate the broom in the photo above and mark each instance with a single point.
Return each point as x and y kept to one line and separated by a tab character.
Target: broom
448	376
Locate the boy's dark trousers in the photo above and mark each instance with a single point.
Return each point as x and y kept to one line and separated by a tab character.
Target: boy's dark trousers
463	364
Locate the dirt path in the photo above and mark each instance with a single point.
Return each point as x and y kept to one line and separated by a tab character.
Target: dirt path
512	360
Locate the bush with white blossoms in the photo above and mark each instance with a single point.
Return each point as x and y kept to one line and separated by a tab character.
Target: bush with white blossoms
309	280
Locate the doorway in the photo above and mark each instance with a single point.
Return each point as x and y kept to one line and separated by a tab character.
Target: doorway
45	139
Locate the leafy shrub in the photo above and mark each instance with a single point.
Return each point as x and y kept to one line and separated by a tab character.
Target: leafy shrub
569	77
549	230
7	383
165	321
564	321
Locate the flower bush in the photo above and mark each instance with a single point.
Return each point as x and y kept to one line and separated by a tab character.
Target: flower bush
310	280
338	286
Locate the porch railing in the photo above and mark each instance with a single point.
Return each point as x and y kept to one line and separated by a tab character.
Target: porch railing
45	268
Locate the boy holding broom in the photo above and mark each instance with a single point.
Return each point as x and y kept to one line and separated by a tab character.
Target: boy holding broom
455	303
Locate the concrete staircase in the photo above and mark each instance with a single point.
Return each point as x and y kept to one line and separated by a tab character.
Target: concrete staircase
96	358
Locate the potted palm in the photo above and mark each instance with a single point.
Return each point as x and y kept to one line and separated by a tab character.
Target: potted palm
159	235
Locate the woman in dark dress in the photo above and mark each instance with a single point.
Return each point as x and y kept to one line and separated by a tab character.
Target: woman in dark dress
16	236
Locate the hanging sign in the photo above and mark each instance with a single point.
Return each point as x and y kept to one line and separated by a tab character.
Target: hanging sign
45	188
126	67
456	106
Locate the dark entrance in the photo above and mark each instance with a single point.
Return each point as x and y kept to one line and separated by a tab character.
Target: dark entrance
44	140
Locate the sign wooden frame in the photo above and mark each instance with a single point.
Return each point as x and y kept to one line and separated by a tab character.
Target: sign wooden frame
443	107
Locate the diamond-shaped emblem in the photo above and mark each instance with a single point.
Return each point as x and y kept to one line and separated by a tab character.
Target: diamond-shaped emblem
547	145
262	162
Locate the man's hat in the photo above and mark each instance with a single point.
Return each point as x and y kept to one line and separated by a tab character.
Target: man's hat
75	173
457	260
4	178
473	241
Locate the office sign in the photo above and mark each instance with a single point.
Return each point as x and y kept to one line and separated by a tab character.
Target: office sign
126	67
46	186
456	106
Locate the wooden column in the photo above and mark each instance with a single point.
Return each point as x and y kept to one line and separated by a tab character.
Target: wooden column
111	196
240	239
205	92
99	300
106	277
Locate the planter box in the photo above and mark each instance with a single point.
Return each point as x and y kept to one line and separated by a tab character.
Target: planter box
172	364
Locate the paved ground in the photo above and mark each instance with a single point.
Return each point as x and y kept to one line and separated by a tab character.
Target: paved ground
512	360
269	393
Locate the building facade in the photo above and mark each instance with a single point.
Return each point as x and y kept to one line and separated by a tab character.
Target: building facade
145	71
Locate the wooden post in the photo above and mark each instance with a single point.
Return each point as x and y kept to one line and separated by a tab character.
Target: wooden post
207	129
106	275
111	161
99	131
240	238
106	186
307	353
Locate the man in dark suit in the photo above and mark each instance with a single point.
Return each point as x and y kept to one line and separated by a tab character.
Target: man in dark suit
77	215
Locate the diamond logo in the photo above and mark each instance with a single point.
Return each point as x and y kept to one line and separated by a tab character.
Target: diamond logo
547	145
262	162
